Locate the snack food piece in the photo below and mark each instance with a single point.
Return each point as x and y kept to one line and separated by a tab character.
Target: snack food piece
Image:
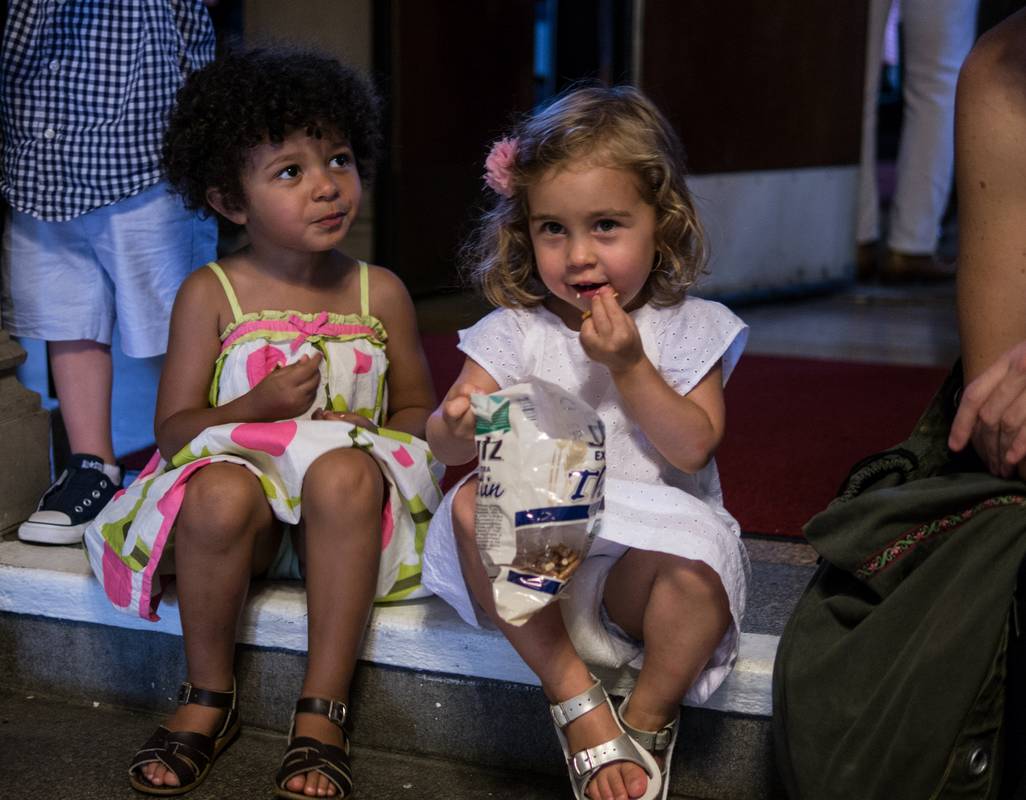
587	312
541	470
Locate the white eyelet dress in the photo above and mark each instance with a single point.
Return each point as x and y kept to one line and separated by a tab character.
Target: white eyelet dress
127	541
649	504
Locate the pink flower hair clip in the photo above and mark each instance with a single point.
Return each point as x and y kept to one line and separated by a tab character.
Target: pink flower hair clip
499	166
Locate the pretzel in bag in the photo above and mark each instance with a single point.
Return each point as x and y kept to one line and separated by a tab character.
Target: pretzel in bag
541	473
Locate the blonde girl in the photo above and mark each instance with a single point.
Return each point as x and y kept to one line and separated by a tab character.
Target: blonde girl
588	252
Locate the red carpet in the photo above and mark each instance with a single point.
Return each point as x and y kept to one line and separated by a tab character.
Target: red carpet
794	427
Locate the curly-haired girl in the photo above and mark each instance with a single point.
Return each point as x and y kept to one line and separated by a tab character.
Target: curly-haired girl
279	373
589	249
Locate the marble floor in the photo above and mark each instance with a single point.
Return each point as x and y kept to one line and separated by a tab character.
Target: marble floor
903	325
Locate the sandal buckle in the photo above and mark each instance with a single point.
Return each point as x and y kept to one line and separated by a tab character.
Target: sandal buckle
337	712
185	694
582	763
662	739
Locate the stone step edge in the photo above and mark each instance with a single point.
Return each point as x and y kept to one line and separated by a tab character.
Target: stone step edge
422	634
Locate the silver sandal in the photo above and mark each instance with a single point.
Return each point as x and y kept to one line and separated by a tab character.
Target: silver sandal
660	742
583	766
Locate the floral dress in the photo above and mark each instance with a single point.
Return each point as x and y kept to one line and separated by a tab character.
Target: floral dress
126	542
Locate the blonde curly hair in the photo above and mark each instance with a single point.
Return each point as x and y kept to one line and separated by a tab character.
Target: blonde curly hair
609	126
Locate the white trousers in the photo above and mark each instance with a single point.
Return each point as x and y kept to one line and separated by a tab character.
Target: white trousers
937	36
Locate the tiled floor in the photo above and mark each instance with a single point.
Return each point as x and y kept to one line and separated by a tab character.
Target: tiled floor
907	325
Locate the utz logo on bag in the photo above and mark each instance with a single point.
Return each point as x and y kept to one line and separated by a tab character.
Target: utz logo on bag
541	476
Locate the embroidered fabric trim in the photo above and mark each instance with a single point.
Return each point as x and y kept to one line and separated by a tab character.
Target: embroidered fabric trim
908	541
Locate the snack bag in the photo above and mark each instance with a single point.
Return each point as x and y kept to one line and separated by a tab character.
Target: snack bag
541	470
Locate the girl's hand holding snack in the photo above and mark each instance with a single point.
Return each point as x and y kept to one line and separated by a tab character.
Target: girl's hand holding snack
457	413
286	392
609	335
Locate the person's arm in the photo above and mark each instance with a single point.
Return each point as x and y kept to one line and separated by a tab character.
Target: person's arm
183	410
685	429
411	395
450	429
990	127
991	176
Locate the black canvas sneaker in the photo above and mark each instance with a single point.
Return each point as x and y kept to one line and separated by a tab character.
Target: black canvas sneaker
67	507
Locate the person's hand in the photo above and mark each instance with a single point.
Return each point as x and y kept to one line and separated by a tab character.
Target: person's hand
609	335
457	414
344	416
286	392
992	414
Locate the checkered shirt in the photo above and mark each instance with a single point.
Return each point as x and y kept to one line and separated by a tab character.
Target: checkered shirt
85	91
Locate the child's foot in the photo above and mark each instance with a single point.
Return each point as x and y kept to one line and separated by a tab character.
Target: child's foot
653	727
318	727
642	721
316	762
619	781
180	753
194	718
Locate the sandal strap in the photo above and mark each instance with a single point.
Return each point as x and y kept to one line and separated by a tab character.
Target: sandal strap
335	710
654	741
566	712
189	694
585	762
306	754
185	753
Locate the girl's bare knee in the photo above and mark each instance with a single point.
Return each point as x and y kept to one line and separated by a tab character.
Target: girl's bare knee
343	480
694	578
220	504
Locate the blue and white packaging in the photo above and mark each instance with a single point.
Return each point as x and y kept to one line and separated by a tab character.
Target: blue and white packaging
541	475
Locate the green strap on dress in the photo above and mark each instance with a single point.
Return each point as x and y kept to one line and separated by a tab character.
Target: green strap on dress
364	289
229	292
233	301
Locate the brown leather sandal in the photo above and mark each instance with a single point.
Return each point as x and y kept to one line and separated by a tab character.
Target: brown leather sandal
189	755
306	754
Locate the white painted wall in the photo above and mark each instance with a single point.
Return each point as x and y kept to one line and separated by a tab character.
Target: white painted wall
777	230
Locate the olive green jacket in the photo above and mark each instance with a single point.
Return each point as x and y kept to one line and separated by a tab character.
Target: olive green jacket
889	682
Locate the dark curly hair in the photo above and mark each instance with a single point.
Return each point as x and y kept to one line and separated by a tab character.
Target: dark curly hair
244	98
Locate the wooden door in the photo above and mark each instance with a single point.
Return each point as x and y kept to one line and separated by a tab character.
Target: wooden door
456	73
752	85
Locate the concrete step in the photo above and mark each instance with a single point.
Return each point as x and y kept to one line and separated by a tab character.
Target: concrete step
428	686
